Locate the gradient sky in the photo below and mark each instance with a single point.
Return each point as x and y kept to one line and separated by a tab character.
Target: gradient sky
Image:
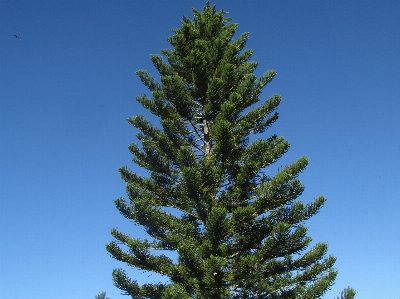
68	83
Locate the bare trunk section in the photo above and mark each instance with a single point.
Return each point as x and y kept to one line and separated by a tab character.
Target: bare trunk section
207	140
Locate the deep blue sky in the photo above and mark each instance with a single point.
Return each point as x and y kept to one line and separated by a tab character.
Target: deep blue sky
67	85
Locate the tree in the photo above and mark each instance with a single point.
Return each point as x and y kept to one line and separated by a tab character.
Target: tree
347	293
238	231
102	295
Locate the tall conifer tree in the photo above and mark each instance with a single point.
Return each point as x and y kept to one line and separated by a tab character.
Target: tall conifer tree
237	231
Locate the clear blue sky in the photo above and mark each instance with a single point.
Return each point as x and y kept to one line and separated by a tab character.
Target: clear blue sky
67	85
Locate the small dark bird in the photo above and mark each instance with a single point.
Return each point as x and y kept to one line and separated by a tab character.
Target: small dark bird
16	36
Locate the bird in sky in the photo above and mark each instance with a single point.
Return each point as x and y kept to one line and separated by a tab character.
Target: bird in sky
16	36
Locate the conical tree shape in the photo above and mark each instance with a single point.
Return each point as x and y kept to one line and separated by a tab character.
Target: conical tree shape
238	232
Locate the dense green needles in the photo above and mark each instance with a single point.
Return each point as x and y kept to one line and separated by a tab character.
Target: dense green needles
238	232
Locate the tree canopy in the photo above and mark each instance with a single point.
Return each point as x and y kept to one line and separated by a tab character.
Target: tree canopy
237	230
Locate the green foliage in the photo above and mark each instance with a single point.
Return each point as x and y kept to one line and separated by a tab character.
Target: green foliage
347	293
238	231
